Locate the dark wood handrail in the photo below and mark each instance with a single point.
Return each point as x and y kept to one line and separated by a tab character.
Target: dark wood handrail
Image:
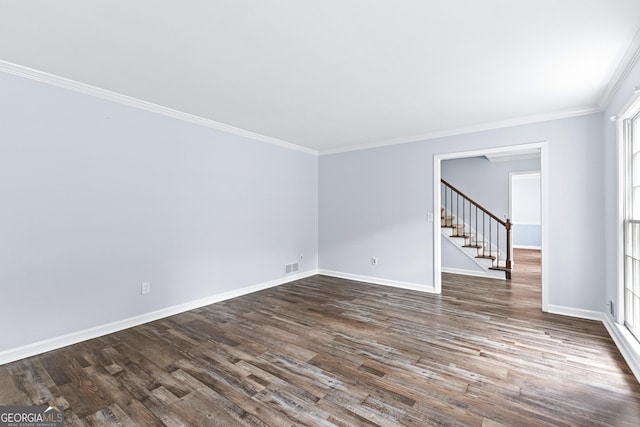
504	223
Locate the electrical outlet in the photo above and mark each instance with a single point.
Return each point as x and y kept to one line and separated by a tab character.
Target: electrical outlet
374	260
145	288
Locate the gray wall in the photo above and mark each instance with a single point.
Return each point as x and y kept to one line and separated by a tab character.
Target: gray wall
98	197
484	181
374	203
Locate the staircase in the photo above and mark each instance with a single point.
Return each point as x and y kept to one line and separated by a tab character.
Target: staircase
480	234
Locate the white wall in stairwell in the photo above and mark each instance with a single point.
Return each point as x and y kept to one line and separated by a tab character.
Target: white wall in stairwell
525	209
525	198
375	202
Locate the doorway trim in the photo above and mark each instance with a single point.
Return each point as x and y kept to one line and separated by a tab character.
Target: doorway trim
544	190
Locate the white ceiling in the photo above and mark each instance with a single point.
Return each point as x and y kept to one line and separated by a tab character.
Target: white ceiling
334	74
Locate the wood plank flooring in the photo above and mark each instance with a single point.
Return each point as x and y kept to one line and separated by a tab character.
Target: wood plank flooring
324	351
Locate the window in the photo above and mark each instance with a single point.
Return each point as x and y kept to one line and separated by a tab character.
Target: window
631	203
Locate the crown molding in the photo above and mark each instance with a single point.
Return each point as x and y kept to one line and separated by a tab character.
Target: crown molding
627	63
467	129
63	82
86	89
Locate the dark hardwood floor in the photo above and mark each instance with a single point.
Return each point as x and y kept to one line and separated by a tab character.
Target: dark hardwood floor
326	351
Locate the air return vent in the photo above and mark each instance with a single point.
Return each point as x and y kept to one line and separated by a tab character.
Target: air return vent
291	268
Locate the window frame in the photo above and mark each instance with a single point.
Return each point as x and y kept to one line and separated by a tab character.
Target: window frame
628	254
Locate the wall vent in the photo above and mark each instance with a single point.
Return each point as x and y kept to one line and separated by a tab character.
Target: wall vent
291	268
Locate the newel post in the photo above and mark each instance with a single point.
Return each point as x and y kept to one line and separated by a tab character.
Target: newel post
507	225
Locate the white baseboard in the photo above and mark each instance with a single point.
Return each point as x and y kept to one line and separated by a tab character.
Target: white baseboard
576	312
527	247
54	343
626	343
379	281
472	273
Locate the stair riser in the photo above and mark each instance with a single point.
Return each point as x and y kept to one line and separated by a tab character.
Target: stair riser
447	222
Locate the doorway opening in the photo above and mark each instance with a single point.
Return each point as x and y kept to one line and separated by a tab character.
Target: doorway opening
505	151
